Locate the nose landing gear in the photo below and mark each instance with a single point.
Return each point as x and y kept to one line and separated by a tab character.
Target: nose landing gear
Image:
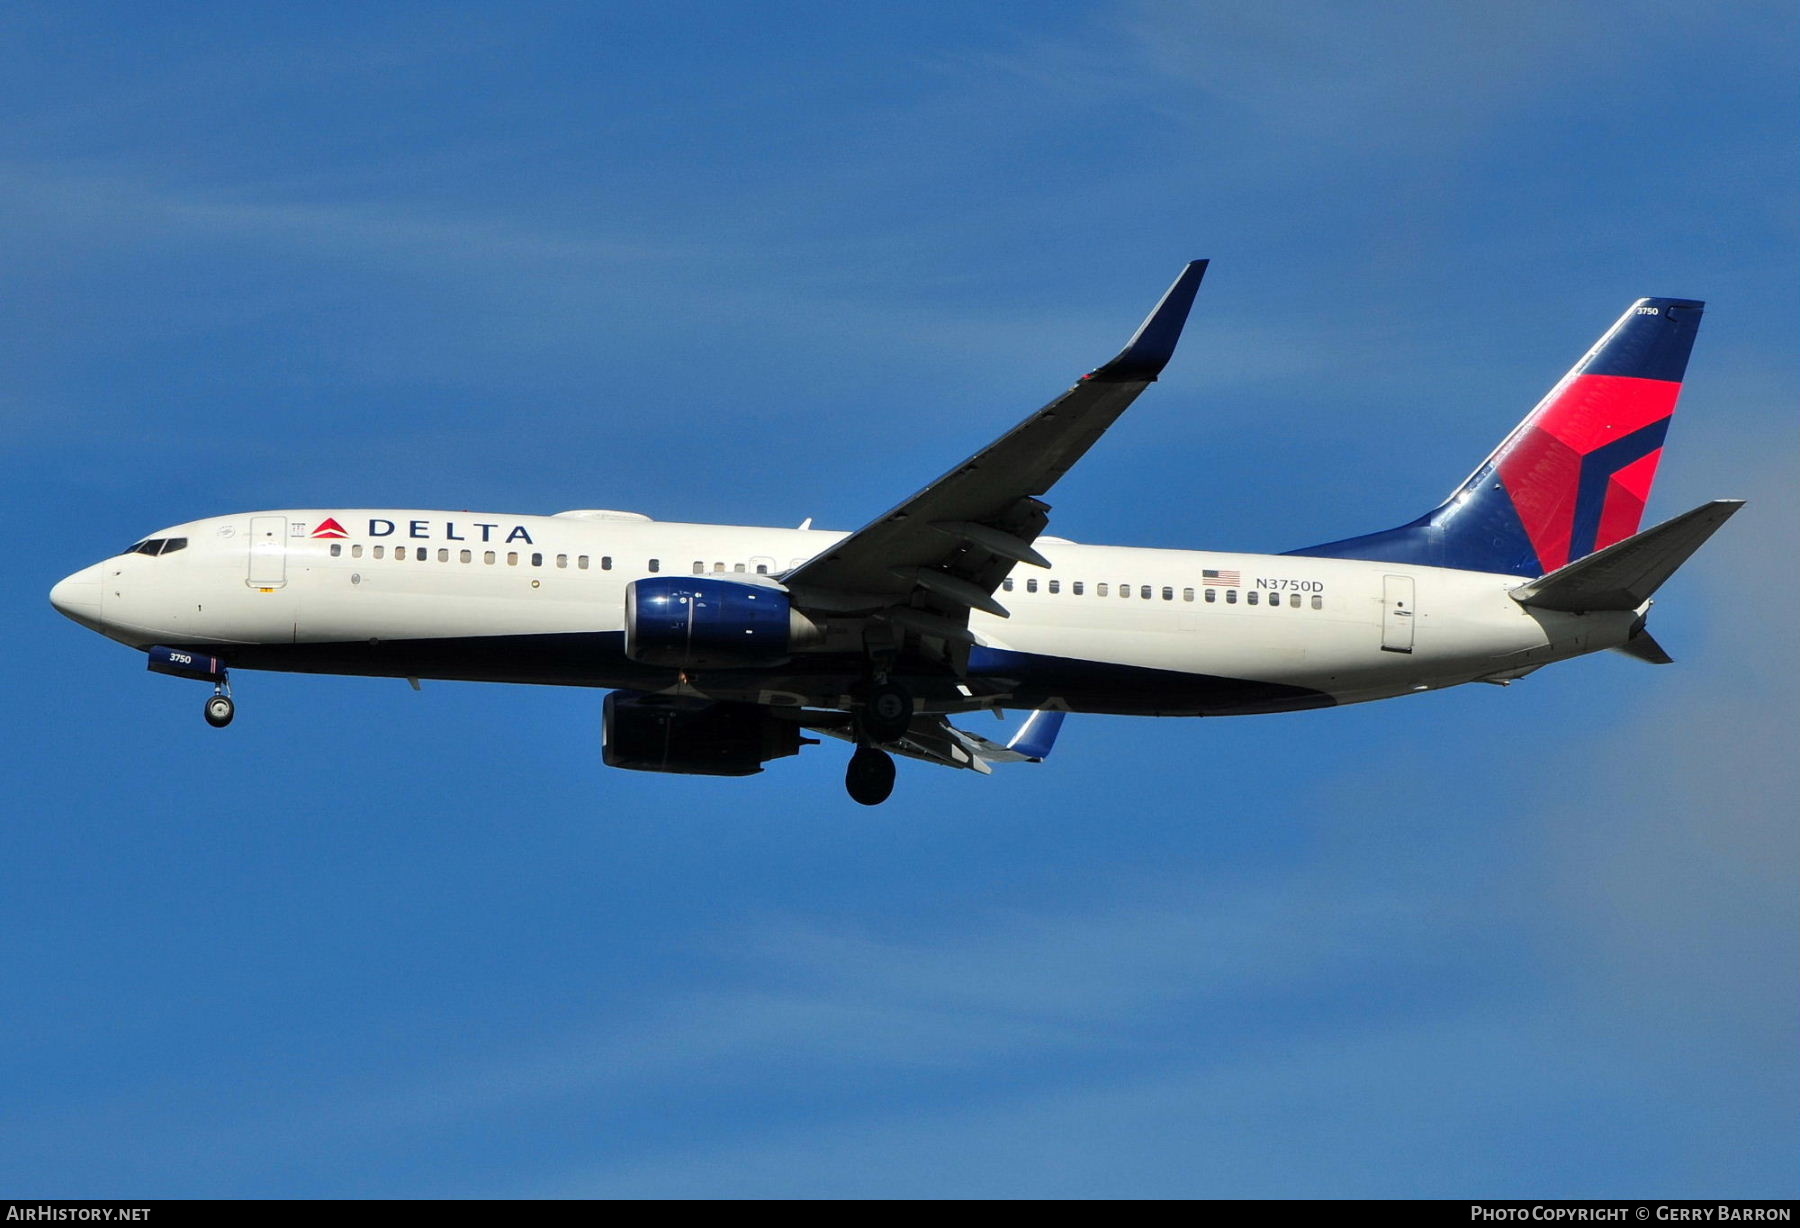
193	663
220	709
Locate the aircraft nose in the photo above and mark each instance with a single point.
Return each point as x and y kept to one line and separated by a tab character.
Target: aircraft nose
78	596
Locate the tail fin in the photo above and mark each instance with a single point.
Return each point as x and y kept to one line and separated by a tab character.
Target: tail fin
1573	477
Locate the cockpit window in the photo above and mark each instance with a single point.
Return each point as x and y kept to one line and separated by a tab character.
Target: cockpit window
158	545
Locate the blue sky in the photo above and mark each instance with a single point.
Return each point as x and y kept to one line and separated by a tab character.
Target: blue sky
755	266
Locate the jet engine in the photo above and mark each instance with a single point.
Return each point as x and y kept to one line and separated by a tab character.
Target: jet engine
694	737
690	621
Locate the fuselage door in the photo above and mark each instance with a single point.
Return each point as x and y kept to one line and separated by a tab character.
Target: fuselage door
1396	614
268	552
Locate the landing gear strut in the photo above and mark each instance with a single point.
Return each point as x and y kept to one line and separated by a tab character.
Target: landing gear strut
220	709
887	711
870	778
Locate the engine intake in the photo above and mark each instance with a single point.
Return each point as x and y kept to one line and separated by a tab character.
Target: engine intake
694	737
691	621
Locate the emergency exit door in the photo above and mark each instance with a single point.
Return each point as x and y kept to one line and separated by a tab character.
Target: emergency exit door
1396	614
268	552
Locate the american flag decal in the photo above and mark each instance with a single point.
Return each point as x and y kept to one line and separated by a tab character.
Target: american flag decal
1224	579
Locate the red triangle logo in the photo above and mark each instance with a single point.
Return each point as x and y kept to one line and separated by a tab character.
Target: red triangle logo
330	528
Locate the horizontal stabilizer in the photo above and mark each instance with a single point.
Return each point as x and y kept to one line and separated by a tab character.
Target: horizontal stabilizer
1644	647
1626	573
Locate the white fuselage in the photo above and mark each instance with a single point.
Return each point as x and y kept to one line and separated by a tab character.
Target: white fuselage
433	594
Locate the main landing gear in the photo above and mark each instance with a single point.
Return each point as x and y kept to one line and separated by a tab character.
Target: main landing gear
886	711
870	778
220	709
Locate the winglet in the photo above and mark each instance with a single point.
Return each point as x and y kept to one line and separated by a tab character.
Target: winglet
1037	735
1151	347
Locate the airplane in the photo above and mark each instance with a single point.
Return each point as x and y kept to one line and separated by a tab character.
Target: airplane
723	646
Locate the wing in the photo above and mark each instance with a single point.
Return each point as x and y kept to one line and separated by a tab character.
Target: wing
926	563
934	739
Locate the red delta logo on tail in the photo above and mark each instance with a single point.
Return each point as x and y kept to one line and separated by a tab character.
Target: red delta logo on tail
1580	468
329	527
1573	477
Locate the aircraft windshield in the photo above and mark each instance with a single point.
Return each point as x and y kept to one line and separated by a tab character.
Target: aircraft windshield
158	545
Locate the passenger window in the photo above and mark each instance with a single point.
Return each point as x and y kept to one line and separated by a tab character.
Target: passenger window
606	562
356	552
1124	590
655	565
1169	593
512	558
581	562
1007	584
1294	601
1251	596
762	569
1318	602
1031	585
562	560
1055	586
487	556
738	567
1100	589
443	554
466	556
699	568
337	549
717	568
1187	594
1077	587
537	560
1212	595
1231	596
379	551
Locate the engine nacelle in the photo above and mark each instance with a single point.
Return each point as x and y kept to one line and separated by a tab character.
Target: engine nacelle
692	621
695	737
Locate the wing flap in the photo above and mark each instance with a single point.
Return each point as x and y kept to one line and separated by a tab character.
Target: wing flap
933	739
